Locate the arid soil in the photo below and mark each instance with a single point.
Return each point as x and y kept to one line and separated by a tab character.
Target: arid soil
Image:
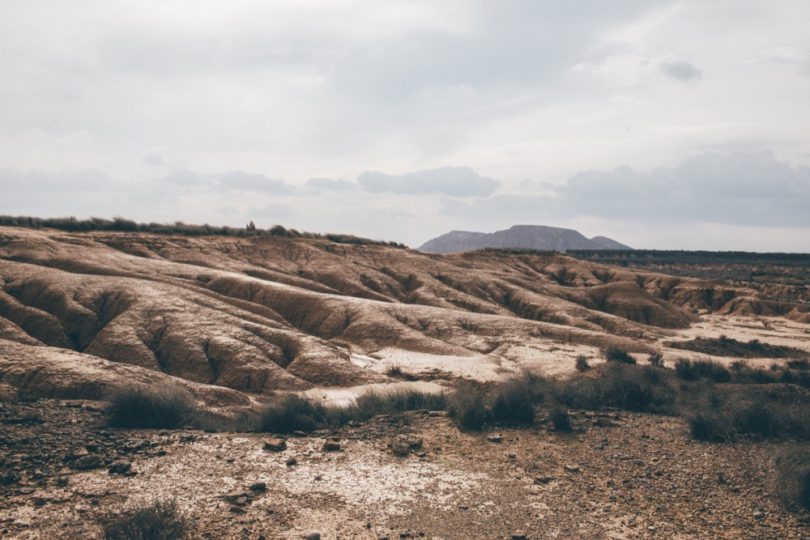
619	475
234	320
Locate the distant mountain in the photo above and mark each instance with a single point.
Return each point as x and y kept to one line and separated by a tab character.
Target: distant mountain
537	237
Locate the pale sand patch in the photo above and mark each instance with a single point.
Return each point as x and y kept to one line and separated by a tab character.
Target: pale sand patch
771	330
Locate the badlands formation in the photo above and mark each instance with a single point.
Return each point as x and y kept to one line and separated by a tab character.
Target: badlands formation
235	321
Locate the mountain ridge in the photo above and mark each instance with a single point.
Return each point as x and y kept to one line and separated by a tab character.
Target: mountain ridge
539	237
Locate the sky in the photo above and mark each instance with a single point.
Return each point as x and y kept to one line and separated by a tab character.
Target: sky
662	124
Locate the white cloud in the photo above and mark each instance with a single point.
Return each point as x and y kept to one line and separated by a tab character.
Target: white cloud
454	181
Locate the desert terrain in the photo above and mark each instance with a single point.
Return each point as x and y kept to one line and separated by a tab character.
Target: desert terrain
237	323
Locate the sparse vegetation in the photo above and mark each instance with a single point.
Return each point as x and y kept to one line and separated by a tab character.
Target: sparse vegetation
582	363
618	385
656	359
119	224
561	420
159	521
689	370
793	477
725	346
617	354
140	407
467	406
296	413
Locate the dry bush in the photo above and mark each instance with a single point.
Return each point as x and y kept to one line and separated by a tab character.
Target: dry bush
141	407
296	413
614	353
689	370
792	480
561	420
656	359
467	406
582	363
618	385
158	521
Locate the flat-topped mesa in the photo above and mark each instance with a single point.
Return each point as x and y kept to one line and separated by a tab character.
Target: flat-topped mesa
535	237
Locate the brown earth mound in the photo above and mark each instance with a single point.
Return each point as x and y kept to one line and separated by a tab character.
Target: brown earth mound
261	314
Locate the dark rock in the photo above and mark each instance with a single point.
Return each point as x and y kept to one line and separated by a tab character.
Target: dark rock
275	445
312	536
291	462
258	487
87	463
331	445
119	467
495	438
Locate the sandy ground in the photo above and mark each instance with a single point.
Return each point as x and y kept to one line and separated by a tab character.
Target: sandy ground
642	478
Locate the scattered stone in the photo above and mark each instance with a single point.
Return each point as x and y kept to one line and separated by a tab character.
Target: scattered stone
542	480
119	467
571	468
331	445
400	448
759	515
415	443
258	487
86	463
291	462
312	536
237	510
519	536
496	438
275	445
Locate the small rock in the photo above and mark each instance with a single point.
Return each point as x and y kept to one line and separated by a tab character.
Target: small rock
275	445
291	462
759	515
519	536
400	448
331	445
571	468
237	510
496	438
119	467
258	487
415	443
542	480
312	536
87	463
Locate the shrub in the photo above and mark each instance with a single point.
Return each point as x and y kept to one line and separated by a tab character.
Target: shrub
158	521
371	404
293	413
467	406
622	386
793	477
513	401
582	363
800	364
141	407
297	413
701	369
561	420
617	354
763	416
656	359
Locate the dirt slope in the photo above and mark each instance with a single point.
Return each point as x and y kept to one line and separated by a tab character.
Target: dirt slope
260	314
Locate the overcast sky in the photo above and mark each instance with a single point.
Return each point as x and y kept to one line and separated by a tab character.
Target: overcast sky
662	124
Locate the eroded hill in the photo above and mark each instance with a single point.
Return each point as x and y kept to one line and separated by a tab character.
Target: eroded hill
229	317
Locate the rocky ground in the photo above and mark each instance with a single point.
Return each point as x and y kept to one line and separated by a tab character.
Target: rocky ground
618	475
